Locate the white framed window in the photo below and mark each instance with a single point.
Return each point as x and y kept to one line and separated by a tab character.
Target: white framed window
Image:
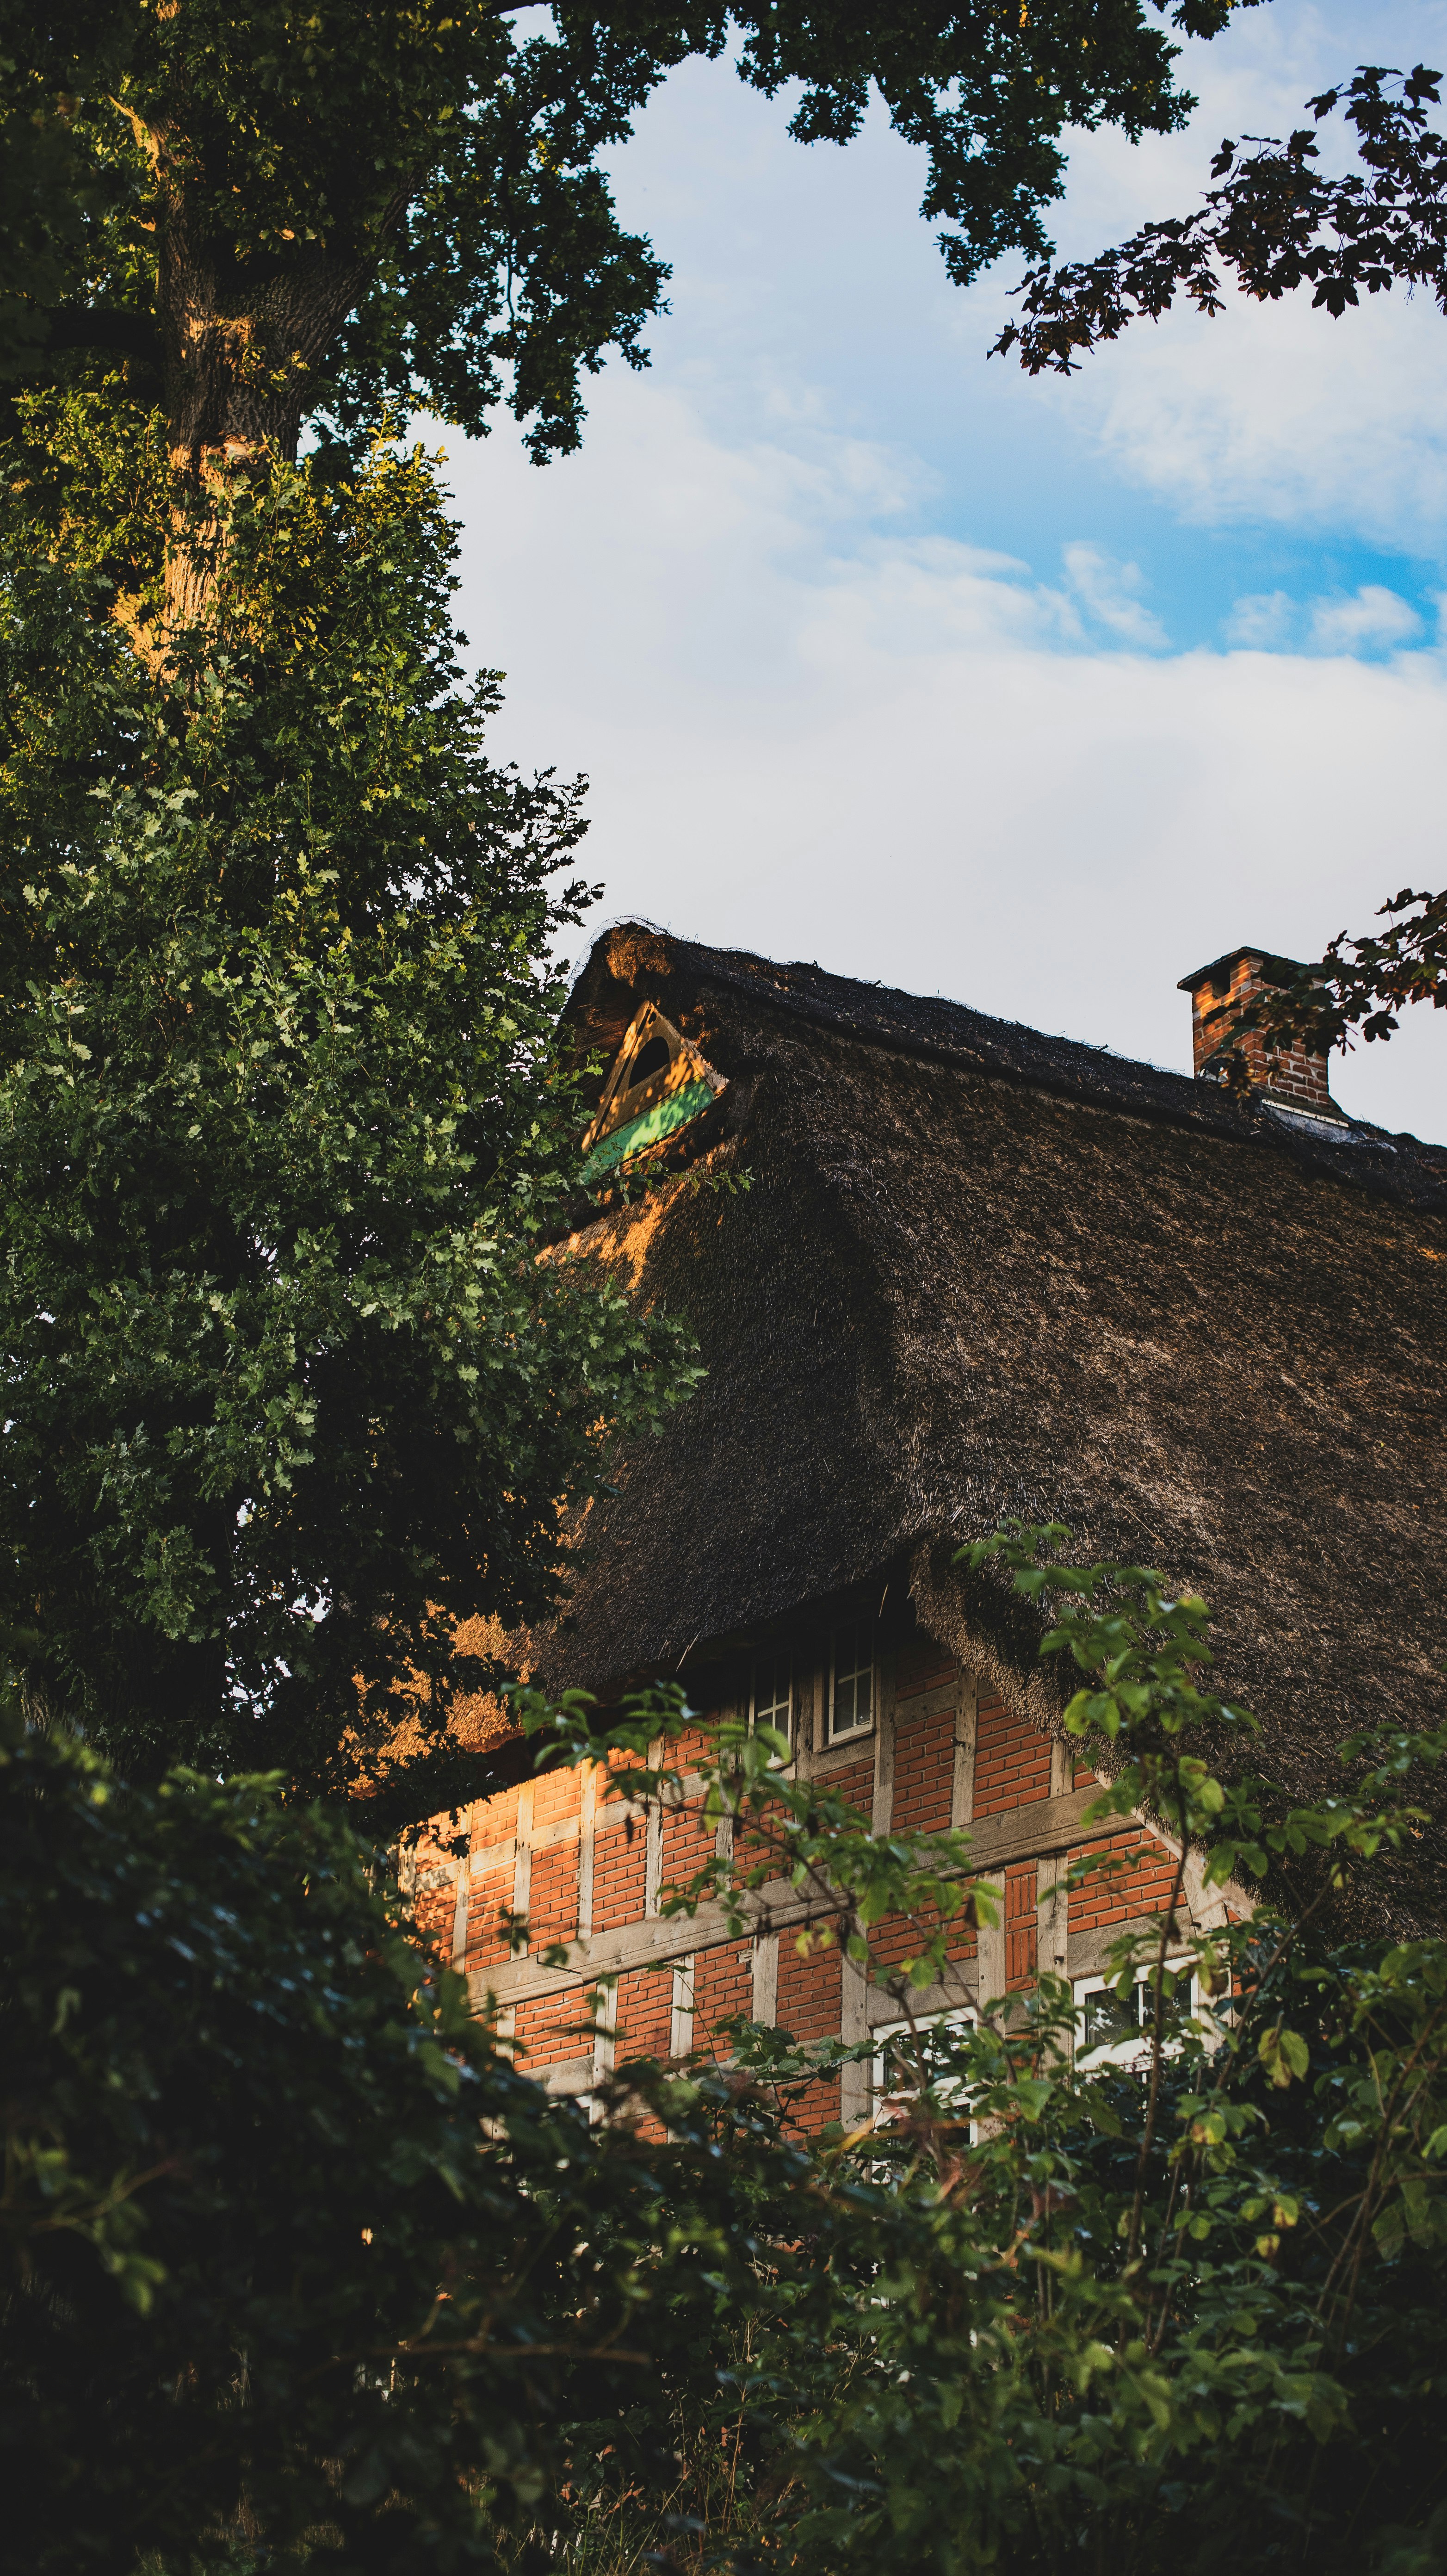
680	2029
772	1700
895	2071
1116	2030
851	1680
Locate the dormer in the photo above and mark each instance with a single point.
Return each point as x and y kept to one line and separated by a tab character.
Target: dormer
657	1085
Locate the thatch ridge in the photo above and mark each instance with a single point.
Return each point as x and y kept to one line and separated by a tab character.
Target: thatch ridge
634	957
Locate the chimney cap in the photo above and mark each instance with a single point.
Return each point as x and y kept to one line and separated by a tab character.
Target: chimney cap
1274	969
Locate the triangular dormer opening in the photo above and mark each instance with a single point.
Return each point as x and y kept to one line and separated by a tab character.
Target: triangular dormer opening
658	1084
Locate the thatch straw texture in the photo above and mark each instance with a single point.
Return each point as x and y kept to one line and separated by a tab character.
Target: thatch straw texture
980	1272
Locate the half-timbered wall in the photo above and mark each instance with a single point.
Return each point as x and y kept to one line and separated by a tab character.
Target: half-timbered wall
587	1866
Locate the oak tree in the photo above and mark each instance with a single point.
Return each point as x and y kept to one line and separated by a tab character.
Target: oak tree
244	221
289	1402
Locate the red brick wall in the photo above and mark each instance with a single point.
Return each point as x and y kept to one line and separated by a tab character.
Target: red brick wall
557	1796
919	1665
1012	1759
752	1843
854	1782
1022	1925
550	2029
924	1764
924	1769
619	1862
488	1895
434	1909
689	1746
645	2013
723	1984
1290	1071
494	1820
553	1896
1012	1769
811	2006
687	1843
1113	1897
891	1942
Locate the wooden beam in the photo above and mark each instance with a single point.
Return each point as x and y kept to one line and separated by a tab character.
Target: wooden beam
1033	1832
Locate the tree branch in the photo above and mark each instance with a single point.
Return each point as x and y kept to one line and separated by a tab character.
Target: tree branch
1277	221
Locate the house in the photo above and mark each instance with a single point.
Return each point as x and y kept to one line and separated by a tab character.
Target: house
945	1270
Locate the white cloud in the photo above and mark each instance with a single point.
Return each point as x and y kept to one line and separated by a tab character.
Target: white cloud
1277	413
1261	620
799	271
905	758
1373	616
1109	593
1367	620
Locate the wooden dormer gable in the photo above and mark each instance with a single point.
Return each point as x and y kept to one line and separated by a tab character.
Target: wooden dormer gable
657	1085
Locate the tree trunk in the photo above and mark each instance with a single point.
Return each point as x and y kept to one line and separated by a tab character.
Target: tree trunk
238	370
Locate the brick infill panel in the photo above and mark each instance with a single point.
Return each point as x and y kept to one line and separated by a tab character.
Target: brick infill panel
1046	1826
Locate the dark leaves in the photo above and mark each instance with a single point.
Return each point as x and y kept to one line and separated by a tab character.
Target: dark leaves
1274	222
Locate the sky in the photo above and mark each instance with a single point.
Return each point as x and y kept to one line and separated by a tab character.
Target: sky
1038	694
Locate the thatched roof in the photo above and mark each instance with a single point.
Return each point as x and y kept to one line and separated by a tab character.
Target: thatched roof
978	1272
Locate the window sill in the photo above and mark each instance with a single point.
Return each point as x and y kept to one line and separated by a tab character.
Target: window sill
839	1747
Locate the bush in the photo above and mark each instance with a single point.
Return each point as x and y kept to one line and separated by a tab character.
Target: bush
301	2270
280	2218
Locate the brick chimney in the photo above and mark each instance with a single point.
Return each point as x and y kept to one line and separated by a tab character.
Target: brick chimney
1219	994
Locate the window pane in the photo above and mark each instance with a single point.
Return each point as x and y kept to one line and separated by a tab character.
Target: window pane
1121	2028
853	1705
1111	2017
897	2062
773	1693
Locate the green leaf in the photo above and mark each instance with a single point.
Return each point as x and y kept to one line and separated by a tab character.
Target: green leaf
1284	2054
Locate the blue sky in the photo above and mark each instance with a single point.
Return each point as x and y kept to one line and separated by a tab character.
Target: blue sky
1039	694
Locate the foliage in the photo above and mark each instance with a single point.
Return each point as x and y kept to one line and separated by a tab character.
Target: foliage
1360	985
255	2239
1278	222
1078	2313
1367	981
296	2267
288	1396
1050	2313
409	204
53	187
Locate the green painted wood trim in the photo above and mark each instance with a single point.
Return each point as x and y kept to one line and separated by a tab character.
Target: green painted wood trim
673	1111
